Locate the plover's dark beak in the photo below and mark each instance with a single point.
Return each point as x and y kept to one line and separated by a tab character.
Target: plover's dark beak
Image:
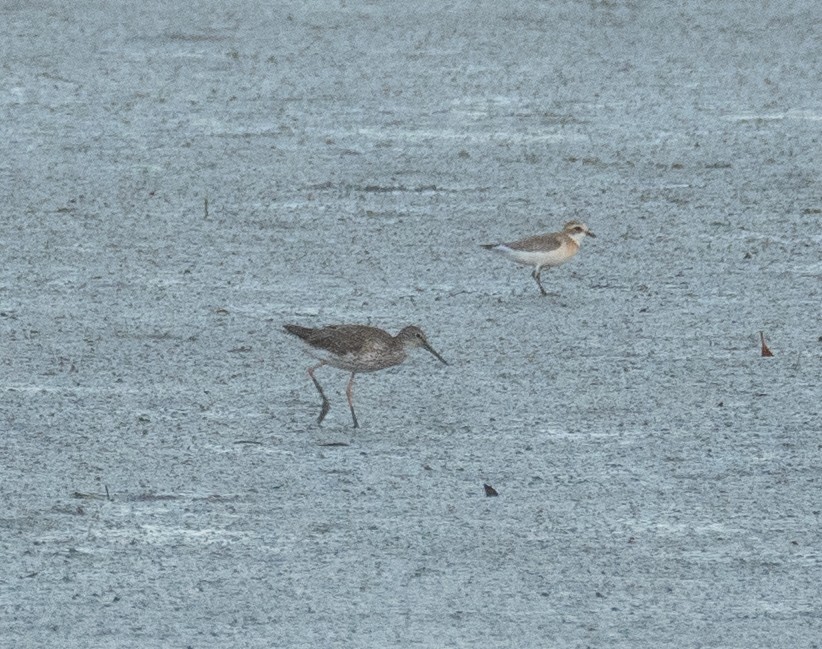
591	234
431	349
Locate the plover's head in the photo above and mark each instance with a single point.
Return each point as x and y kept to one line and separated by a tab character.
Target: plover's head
577	231
412	336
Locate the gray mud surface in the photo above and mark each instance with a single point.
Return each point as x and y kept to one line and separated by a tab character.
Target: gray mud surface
659	481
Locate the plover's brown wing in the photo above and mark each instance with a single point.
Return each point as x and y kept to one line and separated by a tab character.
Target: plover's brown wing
539	243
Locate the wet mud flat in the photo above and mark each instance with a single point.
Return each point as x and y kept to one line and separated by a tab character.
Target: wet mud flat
180	183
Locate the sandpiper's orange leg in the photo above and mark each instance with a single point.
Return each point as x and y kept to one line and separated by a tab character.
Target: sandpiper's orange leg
326	405
349	392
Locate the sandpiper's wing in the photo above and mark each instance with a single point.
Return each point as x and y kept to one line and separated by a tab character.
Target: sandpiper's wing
301	332
346	339
539	243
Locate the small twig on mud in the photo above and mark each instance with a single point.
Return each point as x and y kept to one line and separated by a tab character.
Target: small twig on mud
86	496
205	207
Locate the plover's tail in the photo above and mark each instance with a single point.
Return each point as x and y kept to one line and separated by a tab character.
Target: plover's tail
297	330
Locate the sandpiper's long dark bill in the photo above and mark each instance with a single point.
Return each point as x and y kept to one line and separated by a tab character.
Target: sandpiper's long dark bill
357	348
543	250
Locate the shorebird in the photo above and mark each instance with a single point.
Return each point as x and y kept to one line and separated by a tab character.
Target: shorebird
545	249
357	348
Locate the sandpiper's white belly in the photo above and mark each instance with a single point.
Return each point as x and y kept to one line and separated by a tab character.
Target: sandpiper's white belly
366	360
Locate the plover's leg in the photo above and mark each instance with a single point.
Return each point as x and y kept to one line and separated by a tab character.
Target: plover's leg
349	392
535	275
326	405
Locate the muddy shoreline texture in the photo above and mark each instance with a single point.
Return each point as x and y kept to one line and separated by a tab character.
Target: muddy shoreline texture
180	180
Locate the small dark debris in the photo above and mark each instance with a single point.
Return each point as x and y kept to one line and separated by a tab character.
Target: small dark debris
87	496
765	350
247	441
334	444
489	490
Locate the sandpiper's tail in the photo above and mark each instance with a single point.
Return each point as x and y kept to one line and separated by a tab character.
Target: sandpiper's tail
297	330
489	246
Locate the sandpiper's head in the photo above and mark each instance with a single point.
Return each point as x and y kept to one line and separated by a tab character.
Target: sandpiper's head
413	337
578	231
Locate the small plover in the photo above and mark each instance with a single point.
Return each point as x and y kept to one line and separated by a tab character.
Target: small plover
544	250
357	348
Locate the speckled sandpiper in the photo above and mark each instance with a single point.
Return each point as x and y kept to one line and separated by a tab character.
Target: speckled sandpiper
357	348
544	250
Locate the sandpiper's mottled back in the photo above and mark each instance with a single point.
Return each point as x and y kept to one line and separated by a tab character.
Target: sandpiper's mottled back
357	348
544	250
